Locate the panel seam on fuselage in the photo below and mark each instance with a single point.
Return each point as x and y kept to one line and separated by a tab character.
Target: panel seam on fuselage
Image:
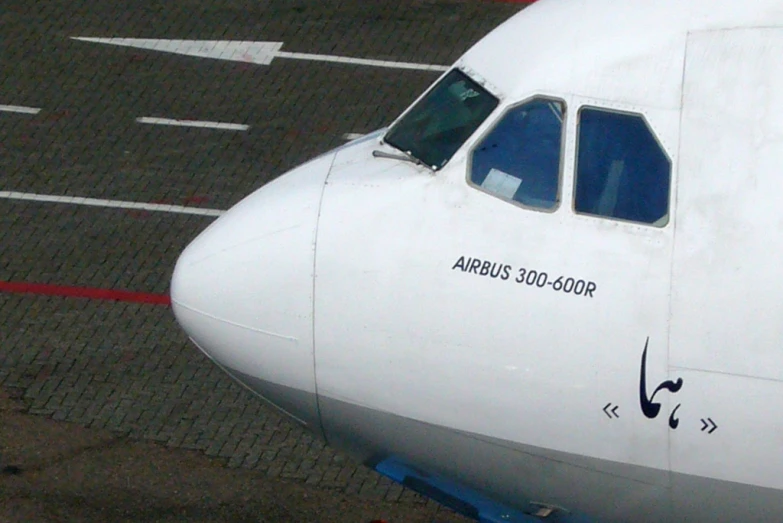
315	265
724	373
674	190
235	324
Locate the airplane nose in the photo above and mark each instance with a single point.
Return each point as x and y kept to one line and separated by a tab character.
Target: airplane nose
243	291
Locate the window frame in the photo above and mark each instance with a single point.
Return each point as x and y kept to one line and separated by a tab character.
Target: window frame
479	139
661	147
471	77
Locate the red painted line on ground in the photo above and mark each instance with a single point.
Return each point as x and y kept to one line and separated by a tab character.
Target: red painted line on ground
83	292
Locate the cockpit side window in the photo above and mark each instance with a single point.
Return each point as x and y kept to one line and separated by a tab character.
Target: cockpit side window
437	126
622	171
519	159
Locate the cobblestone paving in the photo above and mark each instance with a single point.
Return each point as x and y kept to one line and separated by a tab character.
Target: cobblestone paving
125	367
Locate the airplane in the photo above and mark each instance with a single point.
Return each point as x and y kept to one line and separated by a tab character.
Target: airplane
550	290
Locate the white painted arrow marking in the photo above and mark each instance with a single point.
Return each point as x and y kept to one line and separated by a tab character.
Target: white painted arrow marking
235	51
261	53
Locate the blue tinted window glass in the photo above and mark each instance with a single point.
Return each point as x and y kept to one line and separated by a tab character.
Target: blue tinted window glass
519	160
622	171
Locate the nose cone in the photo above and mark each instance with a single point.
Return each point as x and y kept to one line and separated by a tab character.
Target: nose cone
243	291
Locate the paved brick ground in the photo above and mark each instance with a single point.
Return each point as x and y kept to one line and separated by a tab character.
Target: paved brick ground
64	472
128	368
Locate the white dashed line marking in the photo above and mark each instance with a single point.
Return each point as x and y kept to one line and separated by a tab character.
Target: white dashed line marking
193	123
19	109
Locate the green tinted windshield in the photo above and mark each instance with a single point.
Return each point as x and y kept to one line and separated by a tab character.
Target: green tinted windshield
439	123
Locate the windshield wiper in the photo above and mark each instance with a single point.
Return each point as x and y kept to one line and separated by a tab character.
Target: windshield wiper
405	156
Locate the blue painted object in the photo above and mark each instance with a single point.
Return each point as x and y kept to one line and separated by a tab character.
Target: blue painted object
466	501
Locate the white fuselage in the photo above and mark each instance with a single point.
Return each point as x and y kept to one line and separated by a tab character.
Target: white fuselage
637	376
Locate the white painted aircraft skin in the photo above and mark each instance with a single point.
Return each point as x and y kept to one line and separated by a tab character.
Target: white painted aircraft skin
337	291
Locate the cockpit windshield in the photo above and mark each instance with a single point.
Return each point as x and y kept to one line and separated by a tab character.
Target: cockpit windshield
439	123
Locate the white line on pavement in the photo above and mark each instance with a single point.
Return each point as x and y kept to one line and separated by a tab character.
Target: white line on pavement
19	109
261	53
389	64
114	204
193	123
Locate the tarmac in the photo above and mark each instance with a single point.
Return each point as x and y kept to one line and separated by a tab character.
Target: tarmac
107	412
